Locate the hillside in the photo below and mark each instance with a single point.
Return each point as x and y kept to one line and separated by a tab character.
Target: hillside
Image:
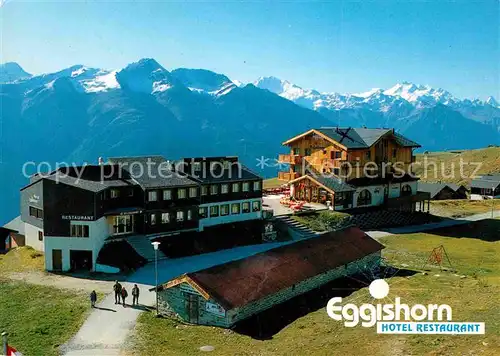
445	166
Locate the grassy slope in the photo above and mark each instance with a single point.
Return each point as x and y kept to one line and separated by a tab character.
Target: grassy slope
475	298
272	183
37	318
462	207
448	164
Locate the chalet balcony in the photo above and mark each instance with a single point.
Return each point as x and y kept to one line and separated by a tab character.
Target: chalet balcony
290	159
287	176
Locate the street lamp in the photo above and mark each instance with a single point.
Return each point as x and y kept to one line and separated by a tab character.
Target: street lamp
155	246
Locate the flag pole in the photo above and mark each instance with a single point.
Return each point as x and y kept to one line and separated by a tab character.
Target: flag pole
4	338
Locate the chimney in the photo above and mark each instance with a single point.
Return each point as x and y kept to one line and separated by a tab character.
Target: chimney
100	161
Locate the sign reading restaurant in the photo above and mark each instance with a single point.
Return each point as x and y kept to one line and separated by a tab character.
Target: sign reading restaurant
77	217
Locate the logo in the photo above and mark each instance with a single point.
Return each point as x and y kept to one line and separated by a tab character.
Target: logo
399	318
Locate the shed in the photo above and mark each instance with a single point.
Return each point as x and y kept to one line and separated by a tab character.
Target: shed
12	234
228	293
442	191
487	186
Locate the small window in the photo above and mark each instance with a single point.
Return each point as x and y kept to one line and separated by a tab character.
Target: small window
193	192
256	186
181	193
115	193
245	186
338	154
167	194
165	218
204	190
235	208
236	187
36	213
296	151
180	215
189	215
245	207
152	195
307	152
152	219
224	209
256	206
202	212
79	231
214	211
214	189
224	188
197	166
40	236
368	155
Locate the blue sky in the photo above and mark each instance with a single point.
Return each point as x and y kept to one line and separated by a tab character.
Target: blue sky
342	46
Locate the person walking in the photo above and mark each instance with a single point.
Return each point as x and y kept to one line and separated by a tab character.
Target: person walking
93	298
124	295
117	288
135	295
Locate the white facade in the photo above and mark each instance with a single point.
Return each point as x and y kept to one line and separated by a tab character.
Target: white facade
378	191
98	232
230	217
32	236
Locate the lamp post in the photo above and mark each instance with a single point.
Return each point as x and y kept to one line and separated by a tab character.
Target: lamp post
492	199
155	246
4	343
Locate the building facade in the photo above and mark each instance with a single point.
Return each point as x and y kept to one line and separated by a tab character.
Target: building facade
348	168
72	212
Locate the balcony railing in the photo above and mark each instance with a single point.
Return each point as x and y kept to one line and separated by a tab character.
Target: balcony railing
290	159
287	176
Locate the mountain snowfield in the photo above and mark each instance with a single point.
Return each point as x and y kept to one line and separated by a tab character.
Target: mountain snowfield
80	113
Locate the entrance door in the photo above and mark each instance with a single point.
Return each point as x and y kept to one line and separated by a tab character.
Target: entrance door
192	304
80	260
57	260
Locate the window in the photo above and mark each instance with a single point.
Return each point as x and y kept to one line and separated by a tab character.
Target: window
180	215
245	207
123	224
307	152
214	211
245	186
167	194
165	218
40	236
336	171
197	166
203	212
214	189
224	209
394	152
181	193
256	206
193	192
204	190
235	208
189	215
115	193
256	186
152	219
224	188
236	187
152	195
405	190
296	151
338	154
364	198
36	213
79	231
368	155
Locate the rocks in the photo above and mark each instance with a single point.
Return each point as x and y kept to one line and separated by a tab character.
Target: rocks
207	348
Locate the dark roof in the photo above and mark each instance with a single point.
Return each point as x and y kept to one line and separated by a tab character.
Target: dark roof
90	185
161	173
241	282
236	171
363	137
487	181
334	183
435	188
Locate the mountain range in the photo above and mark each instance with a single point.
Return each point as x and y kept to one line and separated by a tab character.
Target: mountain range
81	113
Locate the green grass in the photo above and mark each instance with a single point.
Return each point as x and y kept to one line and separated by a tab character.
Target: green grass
272	183
322	221
462	207
39	318
22	259
474	298
447	167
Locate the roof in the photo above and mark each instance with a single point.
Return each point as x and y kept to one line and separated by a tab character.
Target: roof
435	188
332	183
244	281
153	171
354	138
235	171
487	181
90	185
15	224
